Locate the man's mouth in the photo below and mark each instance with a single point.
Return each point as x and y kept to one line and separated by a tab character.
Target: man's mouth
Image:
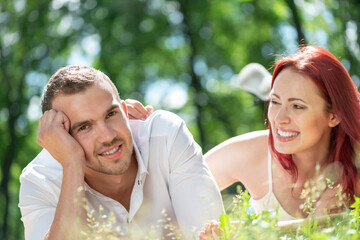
112	151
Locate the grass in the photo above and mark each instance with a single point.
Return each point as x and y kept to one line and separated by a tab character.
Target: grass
265	225
238	223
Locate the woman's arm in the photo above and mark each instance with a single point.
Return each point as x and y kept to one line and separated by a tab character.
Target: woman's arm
241	158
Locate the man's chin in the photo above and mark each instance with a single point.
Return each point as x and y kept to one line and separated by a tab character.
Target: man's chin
118	167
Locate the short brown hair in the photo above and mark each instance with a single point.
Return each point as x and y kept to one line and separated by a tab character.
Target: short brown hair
70	80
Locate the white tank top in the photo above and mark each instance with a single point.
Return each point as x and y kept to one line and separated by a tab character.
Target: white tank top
269	201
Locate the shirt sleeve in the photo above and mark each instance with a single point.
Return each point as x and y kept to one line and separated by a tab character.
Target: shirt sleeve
37	205
194	193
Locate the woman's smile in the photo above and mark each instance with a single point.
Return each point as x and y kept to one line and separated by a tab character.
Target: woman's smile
283	135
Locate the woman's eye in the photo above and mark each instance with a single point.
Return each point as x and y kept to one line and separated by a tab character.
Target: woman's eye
274	102
296	106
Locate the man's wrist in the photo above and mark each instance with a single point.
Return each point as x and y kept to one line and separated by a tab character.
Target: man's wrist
74	169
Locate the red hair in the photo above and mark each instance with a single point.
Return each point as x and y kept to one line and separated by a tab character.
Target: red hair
342	96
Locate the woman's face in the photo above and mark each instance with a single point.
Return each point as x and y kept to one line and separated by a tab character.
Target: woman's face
297	114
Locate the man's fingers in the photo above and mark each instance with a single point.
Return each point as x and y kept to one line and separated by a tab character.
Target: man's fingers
47	117
61	119
51	118
45	122
51	124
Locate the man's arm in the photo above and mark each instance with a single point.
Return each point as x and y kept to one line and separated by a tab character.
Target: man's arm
38	202
54	136
195	195
70	214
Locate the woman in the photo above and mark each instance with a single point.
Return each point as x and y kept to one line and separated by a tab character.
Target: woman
314	120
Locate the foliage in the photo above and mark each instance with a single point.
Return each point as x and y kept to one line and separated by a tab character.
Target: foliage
264	225
241	223
103	226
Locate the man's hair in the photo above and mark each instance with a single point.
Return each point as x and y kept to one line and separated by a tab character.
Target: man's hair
70	80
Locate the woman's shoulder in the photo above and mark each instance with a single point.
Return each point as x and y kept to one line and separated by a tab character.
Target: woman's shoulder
261	135
245	150
239	158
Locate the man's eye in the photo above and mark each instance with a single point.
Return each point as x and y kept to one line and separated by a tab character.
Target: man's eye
113	113
83	128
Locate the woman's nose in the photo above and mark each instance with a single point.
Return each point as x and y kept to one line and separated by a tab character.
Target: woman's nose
282	116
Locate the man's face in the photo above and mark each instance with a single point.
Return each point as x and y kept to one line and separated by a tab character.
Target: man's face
99	123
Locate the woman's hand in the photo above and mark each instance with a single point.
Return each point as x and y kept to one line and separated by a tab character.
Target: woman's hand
136	109
211	231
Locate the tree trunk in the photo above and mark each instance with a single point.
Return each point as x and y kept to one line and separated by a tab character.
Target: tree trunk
195	80
5	170
297	21
190	33
14	107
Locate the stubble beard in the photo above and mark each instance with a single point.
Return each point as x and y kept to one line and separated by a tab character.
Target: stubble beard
120	165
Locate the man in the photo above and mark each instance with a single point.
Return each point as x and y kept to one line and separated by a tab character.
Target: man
149	174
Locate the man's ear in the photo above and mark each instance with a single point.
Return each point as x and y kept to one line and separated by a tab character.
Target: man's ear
334	119
125	108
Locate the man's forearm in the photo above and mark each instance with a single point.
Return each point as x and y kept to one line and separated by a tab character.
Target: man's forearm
70	213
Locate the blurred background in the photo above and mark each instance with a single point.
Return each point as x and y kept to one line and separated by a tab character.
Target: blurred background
182	56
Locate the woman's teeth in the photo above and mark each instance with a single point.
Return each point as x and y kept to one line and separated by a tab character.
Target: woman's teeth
287	134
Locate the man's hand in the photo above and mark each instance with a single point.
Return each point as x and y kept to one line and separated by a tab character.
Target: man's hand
54	136
136	110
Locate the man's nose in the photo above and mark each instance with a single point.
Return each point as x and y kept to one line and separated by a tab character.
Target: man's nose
106	133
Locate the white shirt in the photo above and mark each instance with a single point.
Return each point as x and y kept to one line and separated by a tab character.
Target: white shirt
172	179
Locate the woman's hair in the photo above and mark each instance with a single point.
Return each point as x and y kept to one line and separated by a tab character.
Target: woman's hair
342	96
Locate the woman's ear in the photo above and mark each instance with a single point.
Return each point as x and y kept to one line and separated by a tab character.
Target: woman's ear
334	119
